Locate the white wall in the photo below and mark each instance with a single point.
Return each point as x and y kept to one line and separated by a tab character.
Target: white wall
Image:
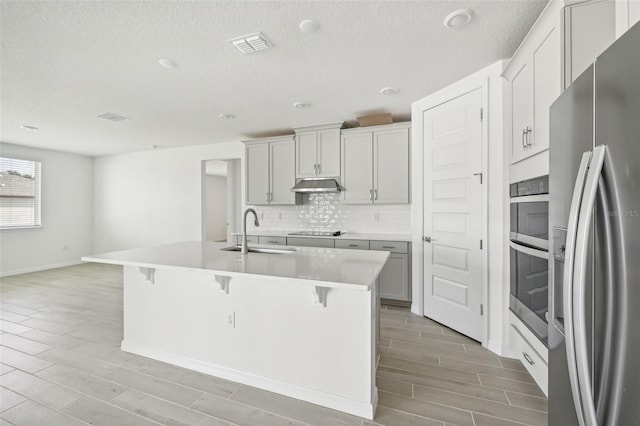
66	232
496	198
216	208
152	197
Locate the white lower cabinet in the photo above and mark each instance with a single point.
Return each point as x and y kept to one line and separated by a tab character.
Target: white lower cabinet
394	278
531	352
310	242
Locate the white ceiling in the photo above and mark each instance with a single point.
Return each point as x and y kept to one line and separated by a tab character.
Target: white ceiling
63	63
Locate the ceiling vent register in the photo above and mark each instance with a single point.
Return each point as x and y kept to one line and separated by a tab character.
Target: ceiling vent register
112	117
251	43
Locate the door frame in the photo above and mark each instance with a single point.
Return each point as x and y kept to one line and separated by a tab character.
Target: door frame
230	197
469	84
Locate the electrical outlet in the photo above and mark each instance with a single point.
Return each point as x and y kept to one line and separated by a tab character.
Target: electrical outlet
230	319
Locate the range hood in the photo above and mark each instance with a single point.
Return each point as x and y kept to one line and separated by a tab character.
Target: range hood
308	185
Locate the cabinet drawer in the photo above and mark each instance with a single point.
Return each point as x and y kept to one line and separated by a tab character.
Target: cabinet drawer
531	359
310	242
282	241
392	246
353	244
251	239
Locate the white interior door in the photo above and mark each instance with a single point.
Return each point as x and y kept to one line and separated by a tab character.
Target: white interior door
453	214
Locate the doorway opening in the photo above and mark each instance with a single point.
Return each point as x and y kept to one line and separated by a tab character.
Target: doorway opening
220	200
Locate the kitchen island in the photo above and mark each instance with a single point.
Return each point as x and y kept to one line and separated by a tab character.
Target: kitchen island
301	323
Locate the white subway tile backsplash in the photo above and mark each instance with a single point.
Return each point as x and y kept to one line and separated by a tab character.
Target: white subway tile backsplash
327	212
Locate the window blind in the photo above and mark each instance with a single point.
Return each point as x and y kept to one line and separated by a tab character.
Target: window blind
19	193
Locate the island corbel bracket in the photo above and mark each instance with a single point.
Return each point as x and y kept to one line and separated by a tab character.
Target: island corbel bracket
319	295
223	283
149	274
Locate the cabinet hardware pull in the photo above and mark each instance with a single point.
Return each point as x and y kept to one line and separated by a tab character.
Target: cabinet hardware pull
389	247
371	195
524	135
352	245
272	242
529	136
267	196
528	358
427	239
375	191
318	169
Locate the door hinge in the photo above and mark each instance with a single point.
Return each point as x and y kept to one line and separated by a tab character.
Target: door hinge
481	114
480	244
481	309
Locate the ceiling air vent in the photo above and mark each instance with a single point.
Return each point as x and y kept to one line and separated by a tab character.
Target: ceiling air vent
112	117
251	43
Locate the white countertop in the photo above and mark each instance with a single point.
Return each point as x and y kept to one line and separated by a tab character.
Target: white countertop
327	267
347	236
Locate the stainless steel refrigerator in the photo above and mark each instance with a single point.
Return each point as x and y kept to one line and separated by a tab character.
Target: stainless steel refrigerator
594	220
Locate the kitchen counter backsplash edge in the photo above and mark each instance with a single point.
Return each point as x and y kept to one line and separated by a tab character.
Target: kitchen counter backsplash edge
347	236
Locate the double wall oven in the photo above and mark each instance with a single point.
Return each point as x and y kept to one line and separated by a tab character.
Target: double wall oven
529	245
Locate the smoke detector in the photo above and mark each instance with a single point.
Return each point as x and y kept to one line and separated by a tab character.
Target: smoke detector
112	117
251	43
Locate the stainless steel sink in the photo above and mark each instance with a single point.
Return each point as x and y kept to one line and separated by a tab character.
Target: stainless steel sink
261	250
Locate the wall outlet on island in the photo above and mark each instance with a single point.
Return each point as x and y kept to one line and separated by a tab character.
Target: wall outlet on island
230	319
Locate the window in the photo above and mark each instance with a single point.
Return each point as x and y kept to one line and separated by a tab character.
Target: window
19	193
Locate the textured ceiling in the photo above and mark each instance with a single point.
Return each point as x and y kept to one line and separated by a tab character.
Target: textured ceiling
63	63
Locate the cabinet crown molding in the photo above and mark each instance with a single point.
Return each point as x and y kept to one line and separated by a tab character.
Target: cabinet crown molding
335	125
271	139
394	126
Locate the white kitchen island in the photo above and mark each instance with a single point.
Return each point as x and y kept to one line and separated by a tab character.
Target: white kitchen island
302	324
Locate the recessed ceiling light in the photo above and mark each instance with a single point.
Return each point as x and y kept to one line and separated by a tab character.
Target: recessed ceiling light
31	128
388	91
458	18
227	116
309	26
301	105
167	63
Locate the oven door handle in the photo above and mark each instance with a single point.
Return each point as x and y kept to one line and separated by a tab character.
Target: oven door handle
528	250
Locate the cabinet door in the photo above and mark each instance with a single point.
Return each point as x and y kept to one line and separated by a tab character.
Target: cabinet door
357	168
306	153
283	172
257	174
547	81
391	167
329	153
589	30
394	278
521	112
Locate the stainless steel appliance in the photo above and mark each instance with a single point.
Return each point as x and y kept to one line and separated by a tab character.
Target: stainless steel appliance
594	214
528	252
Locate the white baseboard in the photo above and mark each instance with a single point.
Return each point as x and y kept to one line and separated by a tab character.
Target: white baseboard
40	268
358	408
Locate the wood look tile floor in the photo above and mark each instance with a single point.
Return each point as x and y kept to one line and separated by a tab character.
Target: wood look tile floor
60	364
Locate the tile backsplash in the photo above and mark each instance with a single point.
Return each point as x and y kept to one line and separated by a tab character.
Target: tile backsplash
327	212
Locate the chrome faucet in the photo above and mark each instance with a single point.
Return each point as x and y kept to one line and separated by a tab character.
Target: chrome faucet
245	248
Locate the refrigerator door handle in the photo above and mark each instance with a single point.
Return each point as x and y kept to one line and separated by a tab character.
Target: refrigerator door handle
587	207
567	292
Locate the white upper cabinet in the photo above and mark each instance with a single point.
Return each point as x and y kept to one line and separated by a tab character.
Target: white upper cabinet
627	14
283	174
257	173
563	42
270	171
391	166
318	151
375	164
357	171
590	27
535	81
